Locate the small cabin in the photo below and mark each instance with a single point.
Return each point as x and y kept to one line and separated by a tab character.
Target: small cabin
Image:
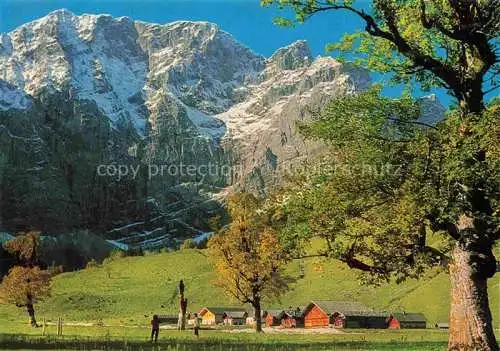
287	320
235	317
316	316
222	315
168	319
360	319
442	325
292	317
342	314
270	318
251	318
406	321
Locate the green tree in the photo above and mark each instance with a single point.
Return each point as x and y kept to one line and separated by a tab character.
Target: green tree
392	186
25	247
248	256
24	287
450	44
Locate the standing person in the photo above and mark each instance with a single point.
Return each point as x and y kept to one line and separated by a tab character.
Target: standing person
155	328
196	325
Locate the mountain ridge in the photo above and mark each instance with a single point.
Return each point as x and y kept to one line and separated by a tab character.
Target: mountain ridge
80	94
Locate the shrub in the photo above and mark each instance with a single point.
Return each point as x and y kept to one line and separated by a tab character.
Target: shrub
92	264
188	244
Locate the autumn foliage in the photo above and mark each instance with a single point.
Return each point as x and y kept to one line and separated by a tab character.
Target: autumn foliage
248	255
25	247
26	284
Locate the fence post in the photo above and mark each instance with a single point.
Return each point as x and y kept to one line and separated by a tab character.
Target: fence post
59	326
43	328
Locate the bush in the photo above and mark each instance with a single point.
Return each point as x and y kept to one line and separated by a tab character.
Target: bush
92	264
55	270
117	253
188	244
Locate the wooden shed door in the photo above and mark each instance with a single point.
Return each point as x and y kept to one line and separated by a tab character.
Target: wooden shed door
316	318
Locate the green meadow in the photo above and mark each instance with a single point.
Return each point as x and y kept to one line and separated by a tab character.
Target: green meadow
97	338
129	290
122	294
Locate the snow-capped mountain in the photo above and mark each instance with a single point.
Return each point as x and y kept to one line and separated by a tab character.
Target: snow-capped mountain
81	96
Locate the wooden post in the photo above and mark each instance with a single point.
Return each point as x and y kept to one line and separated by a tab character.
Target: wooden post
182	308
59	326
43	327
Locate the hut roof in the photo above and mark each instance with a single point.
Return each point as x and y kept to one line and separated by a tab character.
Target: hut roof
409	317
365	314
236	314
168	318
330	307
221	310
274	313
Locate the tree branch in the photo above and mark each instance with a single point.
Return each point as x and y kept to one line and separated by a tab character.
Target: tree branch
412	122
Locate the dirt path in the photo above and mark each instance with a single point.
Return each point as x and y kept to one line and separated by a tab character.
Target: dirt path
291	331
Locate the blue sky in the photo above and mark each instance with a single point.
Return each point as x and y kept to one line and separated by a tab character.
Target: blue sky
246	20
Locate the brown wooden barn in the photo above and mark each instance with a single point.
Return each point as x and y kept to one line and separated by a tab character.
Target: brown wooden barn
292	317
359	319
271	318
287	320
406	321
316	315
342	314
235	317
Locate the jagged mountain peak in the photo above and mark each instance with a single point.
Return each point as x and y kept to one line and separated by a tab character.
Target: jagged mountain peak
118	64
81	91
293	56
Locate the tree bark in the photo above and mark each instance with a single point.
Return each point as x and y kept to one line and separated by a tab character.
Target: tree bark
182	313
31	314
471	326
257	314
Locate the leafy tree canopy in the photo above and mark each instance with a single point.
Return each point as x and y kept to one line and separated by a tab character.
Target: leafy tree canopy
25	286
385	197
248	255
448	44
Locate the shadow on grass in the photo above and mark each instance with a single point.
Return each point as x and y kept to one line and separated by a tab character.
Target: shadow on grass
27	342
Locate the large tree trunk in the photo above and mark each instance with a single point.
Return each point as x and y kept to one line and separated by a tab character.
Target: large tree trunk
257	314
470	317
182	314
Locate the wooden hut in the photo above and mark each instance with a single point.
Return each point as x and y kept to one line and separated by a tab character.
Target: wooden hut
168	319
233	317
359	319
219	315
443	325
324	313
316	316
287	320
271	318
292	317
406	321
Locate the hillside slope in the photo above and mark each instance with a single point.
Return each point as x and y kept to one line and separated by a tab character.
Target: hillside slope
129	290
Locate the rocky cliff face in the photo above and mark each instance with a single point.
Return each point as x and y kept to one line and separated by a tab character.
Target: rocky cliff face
135	130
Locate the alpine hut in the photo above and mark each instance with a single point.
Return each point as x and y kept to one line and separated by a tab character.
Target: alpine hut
406	321
222	315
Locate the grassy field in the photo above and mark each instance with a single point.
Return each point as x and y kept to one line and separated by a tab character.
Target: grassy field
123	294
137	339
129	290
